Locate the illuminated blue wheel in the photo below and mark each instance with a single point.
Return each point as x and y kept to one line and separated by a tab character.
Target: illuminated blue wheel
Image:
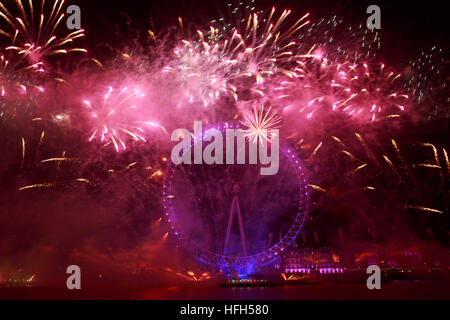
231	217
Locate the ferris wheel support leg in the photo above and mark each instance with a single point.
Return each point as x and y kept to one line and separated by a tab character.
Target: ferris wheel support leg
230	223
241	227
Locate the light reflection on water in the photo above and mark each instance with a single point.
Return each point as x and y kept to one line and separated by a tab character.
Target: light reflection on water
351	291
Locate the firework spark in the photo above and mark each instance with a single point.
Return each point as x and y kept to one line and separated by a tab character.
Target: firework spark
235	60
407	176
11	73
260	123
308	87
204	71
342	40
115	117
16	84
191	275
266	47
369	93
32	33
427	83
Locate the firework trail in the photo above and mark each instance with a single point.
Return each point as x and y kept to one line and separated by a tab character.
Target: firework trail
340	41
259	123
31	38
43	166
12	71
18	91
18	85
309	86
428	83
204	71
32	32
236	61
381	184
191	275
369	93
409	187
115	119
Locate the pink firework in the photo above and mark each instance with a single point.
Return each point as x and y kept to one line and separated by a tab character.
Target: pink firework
308	87
17	87
259	123
237	59
32	32
12	72
204	71
265	44
115	117
369	93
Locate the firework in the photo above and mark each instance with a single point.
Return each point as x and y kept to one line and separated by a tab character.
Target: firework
32	32
8	83
340	40
115	117
316	83
412	184
17	85
309	85
259	123
265	44
204	70
383	183
191	275
12	73
235	60
427	83
369	93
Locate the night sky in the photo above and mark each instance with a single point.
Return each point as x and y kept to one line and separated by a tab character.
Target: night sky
119	219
